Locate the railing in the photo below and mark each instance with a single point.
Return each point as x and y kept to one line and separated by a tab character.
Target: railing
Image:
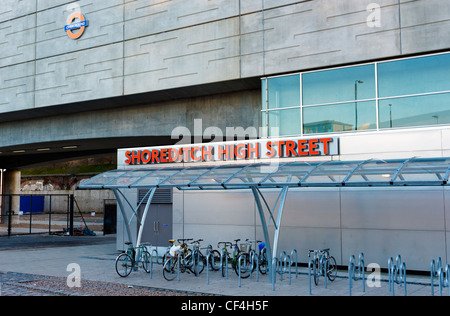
24	214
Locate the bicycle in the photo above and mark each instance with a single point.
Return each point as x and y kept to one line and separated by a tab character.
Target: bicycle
246	256
200	260
179	259
227	258
129	260
322	259
241	253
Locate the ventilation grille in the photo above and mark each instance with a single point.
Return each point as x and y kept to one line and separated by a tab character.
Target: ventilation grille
162	196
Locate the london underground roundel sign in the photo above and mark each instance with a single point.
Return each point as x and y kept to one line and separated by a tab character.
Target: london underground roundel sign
76	21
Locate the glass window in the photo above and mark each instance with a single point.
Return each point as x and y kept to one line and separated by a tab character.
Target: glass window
414	76
284	122
264	94
284	91
338	85
415	111
339	117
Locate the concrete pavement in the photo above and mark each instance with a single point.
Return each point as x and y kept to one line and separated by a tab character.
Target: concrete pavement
96	259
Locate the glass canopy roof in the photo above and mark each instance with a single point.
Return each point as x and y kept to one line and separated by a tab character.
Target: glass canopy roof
397	172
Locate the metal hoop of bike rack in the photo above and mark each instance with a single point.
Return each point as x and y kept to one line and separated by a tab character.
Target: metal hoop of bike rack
442	274
397	273
352	276
224	257
312	270
254	264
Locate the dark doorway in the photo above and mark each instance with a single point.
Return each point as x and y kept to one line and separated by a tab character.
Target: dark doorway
110	217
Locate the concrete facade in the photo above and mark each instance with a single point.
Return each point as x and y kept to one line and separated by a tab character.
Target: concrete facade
152	48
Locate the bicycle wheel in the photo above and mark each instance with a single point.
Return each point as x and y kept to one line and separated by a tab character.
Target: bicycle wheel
214	262
244	267
316	271
145	259
170	269
332	269
124	265
197	263
263	262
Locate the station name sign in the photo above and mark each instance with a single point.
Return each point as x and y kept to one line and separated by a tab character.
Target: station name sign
226	151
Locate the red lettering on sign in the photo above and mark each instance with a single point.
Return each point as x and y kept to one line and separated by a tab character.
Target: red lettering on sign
146	156
271	152
301	147
290	148
240	151
313	146
253	152
207	151
325	142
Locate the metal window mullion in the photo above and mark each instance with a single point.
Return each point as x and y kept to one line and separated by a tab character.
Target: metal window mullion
301	105
377	100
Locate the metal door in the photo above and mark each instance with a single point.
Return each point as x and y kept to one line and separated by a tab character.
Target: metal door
158	225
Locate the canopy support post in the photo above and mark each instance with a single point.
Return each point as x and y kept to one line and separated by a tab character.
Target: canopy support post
124	215
265	231
265	226
144	216
278	226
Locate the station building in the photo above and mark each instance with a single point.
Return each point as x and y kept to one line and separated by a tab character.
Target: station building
312	81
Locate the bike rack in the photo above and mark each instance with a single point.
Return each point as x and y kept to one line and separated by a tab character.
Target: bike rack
241	258
208	258
254	259
323	269
151	261
352	272
180	257
442	274
311	264
224	255
397	273
294	254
